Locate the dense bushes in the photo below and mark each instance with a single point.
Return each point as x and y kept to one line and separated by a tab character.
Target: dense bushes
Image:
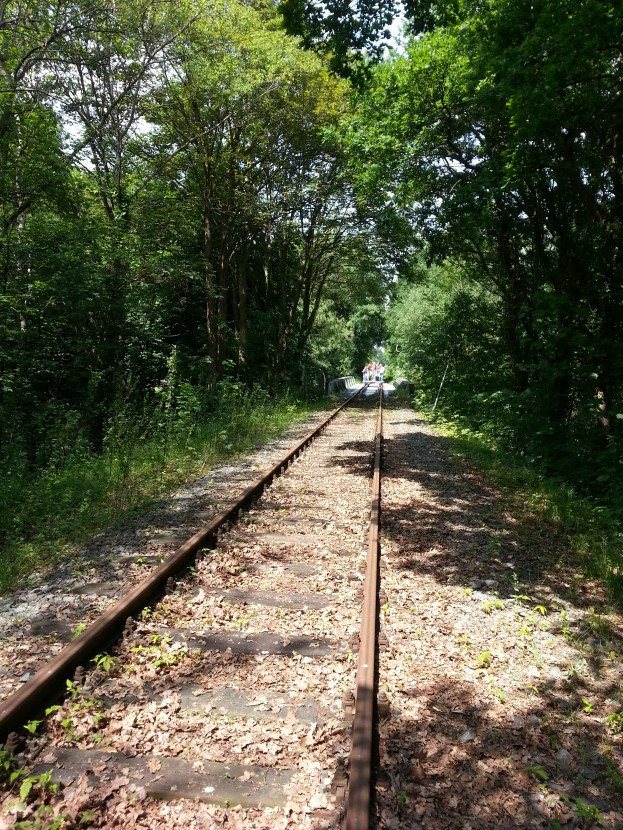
74	491
438	320
495	137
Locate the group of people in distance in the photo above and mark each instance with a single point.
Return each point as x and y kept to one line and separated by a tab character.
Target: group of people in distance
373	371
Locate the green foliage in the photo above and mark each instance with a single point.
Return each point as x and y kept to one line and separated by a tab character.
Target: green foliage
105	662
32	726
79	629
612	774
484	659
498	693
587	813
44	516
537	772
350	34
350	321
588	706
487	412
7	763
492	143
615	721
29	785
164	258
160	653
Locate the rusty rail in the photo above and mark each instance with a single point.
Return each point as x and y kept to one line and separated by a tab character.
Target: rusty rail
49	681
360	782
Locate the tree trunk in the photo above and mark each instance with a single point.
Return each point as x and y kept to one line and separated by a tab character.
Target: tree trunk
243	264
209	294
223	263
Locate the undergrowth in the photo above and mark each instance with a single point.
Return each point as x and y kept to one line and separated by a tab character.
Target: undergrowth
595	530
45	514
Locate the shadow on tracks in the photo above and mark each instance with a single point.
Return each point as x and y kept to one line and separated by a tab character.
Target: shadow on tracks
459	529
546	758
463	515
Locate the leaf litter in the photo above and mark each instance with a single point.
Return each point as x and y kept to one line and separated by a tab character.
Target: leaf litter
503	666
137	709
502	669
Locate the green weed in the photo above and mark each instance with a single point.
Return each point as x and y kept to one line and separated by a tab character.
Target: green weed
7	763
464	639
32	726
612	774
588	814
615	722
498	693
106	662
79	629
159	655
536	654
484	660
588	706
44	517
537	772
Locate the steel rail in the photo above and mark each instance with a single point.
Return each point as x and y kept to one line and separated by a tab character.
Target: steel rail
50	680
360	781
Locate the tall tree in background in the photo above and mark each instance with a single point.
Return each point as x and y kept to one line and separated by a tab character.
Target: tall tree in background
247	113
171	175
498	133
31	168
349	34
110	65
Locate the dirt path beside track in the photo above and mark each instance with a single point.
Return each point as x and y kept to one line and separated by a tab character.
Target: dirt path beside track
503	667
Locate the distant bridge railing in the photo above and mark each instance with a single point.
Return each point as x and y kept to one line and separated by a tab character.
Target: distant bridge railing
341	384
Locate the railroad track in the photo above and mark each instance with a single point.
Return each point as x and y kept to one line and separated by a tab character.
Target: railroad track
249	688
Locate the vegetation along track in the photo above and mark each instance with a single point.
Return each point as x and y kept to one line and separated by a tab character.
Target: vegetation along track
237	689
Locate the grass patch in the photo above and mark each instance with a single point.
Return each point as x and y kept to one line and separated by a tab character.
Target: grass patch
595	531
44	517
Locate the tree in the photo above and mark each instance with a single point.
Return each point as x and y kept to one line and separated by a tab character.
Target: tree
498	134
349	34
246	113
